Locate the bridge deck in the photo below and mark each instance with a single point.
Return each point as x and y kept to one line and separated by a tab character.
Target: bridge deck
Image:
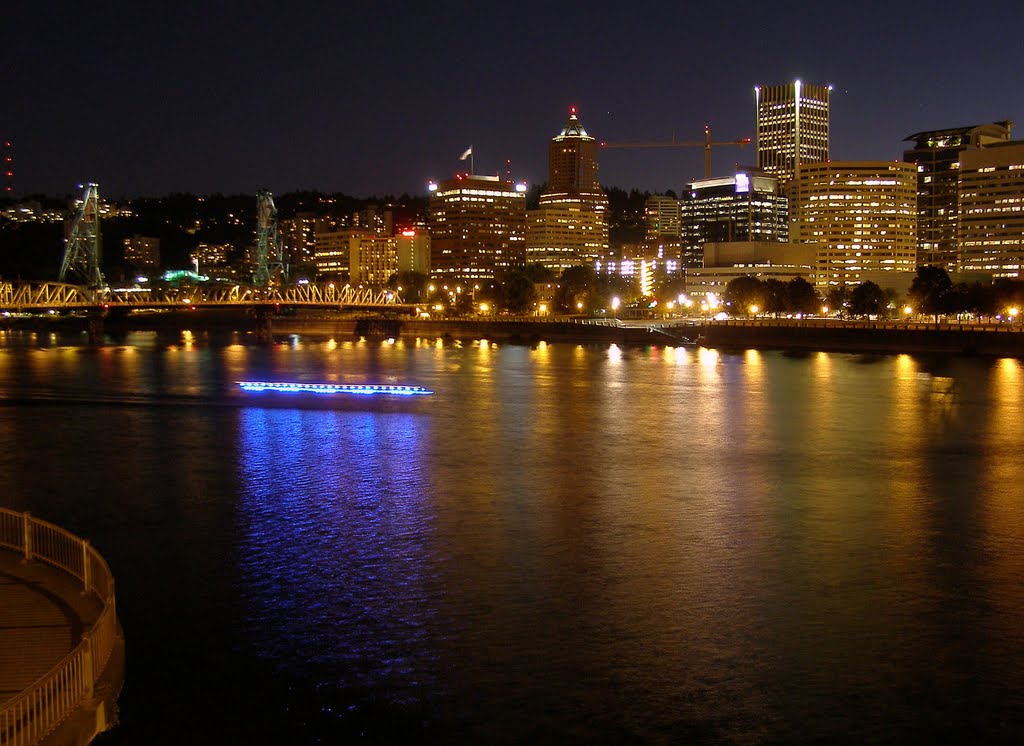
42	616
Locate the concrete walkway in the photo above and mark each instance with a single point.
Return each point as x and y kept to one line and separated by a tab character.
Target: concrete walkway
42	616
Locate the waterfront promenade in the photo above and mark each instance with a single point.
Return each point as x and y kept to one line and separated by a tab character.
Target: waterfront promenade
61	652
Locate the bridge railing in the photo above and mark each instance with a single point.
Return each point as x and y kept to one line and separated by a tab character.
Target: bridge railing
38	710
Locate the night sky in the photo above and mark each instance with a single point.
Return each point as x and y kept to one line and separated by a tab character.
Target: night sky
372	99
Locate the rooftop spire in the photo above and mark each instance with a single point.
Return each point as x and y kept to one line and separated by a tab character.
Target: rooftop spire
572	127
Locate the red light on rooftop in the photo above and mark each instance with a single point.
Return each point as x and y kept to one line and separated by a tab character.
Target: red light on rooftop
572	111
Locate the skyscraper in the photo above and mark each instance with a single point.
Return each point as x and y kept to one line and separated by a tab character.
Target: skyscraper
571	224
743	207
991	225
792	127
572	160
476	226
937	157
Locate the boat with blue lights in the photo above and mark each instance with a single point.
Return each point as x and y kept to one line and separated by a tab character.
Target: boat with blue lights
331	389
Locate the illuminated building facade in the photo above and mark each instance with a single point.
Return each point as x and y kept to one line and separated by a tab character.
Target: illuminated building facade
142	252
331	254
212	255
863	218
477	226
937	157
373	259
298	236
413	249
792	127
743	207
570	227
991	201
662	219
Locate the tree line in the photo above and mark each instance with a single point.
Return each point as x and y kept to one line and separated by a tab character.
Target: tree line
932	293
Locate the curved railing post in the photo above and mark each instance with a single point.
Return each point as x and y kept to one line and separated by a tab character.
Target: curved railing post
89	680
86	567
26	541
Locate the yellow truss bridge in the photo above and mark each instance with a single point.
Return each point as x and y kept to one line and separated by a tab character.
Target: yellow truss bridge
43	296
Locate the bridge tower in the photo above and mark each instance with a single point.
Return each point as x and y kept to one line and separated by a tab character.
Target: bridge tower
82	246
269	249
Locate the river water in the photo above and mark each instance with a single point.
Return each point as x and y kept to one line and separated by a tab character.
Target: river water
563	544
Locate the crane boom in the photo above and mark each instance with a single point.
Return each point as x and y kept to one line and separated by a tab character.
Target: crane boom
706	143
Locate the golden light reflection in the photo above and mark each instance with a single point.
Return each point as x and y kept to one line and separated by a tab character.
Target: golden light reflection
614	353
675	355
707	357
542	352
752	358
1003	439
905	433
187	338
332	344
1000	485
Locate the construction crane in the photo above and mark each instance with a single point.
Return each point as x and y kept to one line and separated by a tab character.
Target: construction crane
707	144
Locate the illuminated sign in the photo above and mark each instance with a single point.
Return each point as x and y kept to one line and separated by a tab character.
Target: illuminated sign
742	183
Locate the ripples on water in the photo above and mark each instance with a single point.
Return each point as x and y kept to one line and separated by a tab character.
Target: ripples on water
563	544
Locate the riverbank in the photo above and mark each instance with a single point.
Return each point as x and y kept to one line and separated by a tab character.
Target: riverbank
827	335
805	335
824	335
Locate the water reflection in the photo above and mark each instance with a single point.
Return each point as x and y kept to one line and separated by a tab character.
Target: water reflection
566	542
336	518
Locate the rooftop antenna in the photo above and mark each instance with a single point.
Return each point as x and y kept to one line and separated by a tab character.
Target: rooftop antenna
8	167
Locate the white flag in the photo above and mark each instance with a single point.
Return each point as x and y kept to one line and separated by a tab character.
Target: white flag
469	152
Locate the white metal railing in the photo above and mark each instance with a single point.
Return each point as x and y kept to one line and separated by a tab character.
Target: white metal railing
34	713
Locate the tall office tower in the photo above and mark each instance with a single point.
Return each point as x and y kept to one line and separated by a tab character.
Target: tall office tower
477	225
572	161
571	224
792	127
937	157
863	218
743	207
991	202
662	219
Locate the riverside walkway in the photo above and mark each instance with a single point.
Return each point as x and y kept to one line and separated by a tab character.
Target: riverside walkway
61	651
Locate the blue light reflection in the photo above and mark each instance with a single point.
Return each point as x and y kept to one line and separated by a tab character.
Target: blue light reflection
336	568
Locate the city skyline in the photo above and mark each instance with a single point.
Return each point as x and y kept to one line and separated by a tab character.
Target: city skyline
349	100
